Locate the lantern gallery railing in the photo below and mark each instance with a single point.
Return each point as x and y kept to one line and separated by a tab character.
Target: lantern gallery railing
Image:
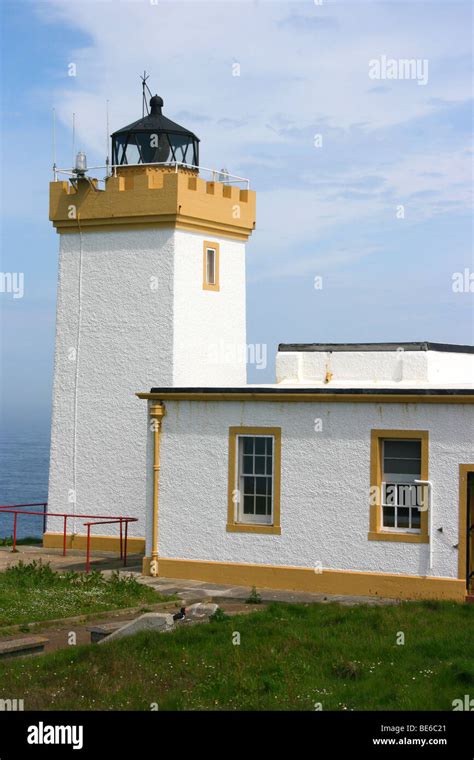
212	175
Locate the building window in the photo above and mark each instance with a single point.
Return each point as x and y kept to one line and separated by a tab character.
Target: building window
210	266
398	504
254	480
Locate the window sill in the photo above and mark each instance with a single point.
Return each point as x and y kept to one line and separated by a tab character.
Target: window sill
408	538
252	528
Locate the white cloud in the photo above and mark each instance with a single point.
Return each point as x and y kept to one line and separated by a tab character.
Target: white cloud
301	65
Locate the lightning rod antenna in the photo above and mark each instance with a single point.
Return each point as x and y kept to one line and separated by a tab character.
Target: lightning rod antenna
54	144
107	161
73	139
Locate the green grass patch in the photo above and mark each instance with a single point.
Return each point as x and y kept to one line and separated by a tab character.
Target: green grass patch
28	541
290	657
34	592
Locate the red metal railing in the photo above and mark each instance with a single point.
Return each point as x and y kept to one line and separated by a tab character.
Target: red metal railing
43	504
97	520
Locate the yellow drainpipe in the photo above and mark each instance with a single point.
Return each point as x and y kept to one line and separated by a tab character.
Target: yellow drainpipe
157	412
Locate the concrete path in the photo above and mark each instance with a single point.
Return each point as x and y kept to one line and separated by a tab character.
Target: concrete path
74	559
188	590
199	590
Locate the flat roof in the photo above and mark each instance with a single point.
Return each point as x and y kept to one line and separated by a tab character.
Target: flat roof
297	393
454	348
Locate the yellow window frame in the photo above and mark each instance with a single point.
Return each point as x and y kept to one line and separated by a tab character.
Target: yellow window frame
376	531
233	526
214	286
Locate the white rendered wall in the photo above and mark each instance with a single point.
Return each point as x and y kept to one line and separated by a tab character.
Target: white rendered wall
367	368
143	316
446	368
324	488
209	326
125	345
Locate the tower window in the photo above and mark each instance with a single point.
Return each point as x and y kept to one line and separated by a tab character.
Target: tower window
211	266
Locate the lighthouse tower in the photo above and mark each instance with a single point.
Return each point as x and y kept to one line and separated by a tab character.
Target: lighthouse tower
151	292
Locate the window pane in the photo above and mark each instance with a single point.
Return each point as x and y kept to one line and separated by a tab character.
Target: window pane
402	466
248	445
249	485
406	495
248	505
388	517
248	466
211	260
390	494
403	517
403	449
255	475
415	518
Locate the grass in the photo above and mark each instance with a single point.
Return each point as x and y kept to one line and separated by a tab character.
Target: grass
34	592
290	657
27	541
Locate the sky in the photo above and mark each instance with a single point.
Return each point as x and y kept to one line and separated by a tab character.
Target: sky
362	168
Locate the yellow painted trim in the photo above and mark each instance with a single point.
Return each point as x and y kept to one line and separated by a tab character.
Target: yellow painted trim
157	412
216	248
154	196
232	525
310	397
464	469
404	538
376	532
98	543
339	582
175	222
247	528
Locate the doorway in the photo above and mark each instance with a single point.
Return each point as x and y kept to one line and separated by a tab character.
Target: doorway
466	525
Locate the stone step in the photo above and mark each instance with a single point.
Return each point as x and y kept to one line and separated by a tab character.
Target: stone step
99	632
22	647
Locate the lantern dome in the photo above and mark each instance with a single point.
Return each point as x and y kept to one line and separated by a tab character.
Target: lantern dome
155	139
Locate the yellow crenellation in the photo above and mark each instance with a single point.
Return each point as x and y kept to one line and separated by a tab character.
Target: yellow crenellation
145	196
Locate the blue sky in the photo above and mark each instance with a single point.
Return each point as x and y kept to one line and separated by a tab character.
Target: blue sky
325	211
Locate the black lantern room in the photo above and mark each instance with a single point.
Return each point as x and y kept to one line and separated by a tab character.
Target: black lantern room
154	139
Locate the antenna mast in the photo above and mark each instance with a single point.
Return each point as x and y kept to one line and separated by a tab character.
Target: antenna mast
144	99
54	144
73	139
107	161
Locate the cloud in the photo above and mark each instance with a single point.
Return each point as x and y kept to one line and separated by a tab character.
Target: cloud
303	71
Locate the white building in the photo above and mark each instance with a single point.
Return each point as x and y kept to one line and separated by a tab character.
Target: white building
353	473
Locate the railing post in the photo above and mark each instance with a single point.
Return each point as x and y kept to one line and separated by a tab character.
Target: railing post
64	536
14	531
88	564
125	548
44	517
121	540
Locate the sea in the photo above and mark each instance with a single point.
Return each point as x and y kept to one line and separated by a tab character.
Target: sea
24	465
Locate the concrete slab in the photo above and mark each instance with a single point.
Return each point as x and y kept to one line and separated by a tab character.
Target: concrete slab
99	632
151	621
21	647
194	590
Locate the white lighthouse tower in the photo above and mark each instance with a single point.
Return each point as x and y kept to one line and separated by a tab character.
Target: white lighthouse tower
151	291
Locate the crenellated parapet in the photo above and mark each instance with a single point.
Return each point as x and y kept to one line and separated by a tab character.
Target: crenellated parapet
153	196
